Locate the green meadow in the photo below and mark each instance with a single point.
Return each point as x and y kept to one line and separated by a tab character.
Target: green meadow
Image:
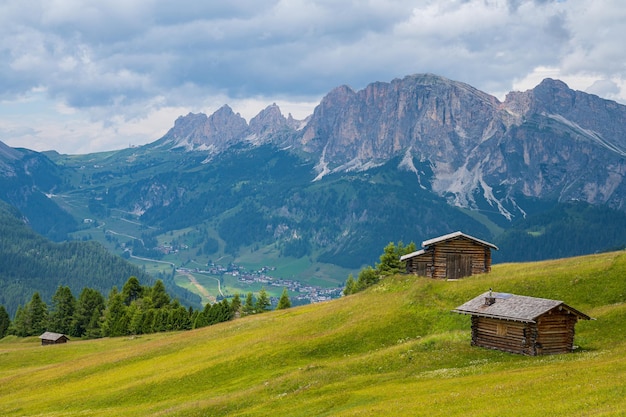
394	349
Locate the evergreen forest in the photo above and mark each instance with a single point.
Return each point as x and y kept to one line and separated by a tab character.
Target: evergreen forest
31	263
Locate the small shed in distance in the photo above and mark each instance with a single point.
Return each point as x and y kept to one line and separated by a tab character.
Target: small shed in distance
51	338
520	324
452	256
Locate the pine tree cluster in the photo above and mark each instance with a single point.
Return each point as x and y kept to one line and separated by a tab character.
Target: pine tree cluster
134	310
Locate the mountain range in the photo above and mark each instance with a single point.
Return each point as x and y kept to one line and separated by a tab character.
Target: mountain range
549	142
541	174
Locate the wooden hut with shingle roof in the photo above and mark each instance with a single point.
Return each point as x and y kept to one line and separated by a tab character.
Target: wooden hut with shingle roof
520	324
51	338
452	256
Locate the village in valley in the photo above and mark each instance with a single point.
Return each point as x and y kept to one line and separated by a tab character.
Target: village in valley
304	293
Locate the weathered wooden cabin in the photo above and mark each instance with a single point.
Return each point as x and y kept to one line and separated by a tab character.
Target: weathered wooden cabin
520	324
451	256
51	338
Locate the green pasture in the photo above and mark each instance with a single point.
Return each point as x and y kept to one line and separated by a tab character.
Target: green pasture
394	349
230	286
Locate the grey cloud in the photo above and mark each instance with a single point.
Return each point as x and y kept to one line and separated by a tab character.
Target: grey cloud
603	88
120	53
17	132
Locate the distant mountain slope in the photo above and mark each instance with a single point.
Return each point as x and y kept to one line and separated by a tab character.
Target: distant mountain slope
29	263
26	177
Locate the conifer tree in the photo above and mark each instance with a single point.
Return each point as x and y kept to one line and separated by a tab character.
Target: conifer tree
62	314
390	259
160	297
21	323
161	320
368	276
135	319
263	302
225	314
210	313
284	301
115	318
38	311
248	306
147	324
201	317
235	305
5	321
179	317
350	287
94	328
90	303
132	290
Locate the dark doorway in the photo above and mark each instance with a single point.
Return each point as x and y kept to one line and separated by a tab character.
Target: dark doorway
458	266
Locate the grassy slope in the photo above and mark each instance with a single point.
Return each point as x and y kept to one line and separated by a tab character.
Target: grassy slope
394	349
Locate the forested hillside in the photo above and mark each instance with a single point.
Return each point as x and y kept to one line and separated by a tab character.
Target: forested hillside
26	178
566	229
31	263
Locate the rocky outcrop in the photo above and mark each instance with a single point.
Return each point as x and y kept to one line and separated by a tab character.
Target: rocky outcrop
199	132
224	128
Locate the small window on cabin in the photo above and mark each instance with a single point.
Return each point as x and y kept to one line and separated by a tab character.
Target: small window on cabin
501	330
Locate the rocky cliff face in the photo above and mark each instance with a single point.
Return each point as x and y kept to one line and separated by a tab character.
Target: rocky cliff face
548	142
434	116
561	144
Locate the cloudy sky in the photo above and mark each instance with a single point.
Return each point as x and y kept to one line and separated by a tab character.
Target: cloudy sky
83	76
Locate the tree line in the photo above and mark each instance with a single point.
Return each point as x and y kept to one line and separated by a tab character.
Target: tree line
389	264
134	310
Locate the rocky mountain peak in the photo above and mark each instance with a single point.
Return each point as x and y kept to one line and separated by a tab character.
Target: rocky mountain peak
430	114
224	128
269	121
199	132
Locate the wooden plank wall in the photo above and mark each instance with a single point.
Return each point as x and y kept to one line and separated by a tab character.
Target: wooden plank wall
480	256
556	332
552	334
509	336
421	265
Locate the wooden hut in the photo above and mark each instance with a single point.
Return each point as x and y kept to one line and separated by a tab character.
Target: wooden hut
451	256
520	324
51	338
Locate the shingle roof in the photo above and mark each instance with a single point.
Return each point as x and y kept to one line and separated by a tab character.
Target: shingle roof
51	336
455	235
513	307
412	254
